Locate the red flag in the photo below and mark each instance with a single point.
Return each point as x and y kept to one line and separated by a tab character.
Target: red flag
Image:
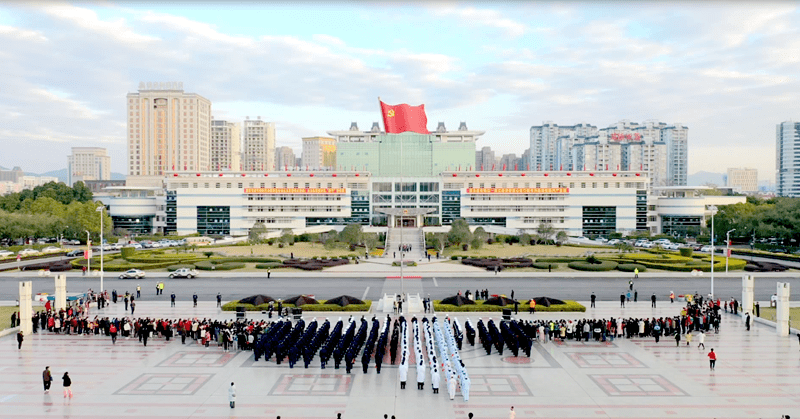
515	167
184	166
401	118
173	167
493	168
561	167
504	167
481	168
606	166
529	167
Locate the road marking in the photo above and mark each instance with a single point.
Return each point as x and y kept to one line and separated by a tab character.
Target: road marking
435	283
7	398
364	297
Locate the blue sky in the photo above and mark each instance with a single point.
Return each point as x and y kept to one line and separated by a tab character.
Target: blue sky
727	70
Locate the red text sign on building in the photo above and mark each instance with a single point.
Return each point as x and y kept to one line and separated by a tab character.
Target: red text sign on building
295	190
517	190
621	137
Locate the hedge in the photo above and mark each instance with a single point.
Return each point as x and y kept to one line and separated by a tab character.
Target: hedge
231	306
733	264
268	265
630	267
544	265
156	258
479	306
406	263
212	265
173	268
605	265
561	260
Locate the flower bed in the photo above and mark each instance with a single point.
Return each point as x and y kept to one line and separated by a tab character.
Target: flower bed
479	306
231	306
605	265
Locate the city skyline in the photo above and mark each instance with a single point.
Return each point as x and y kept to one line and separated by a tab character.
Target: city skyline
724	70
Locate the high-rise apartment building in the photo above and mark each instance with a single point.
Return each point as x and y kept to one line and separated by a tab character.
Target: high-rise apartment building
319	153
88	163
508	162
485	159
226	139
787	154
168	129
285	158
744	180
258	144
655	147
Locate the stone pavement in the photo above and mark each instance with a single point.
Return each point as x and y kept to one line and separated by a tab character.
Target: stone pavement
756	377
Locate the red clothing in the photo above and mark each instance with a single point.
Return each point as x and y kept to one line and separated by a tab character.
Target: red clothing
712	356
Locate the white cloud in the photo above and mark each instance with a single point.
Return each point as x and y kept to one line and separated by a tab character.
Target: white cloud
482	17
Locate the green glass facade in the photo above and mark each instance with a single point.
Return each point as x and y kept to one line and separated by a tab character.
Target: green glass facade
422	155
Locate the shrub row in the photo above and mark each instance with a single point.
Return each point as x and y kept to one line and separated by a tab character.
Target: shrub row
269	265
499	263
314	265
231	306
213	265
560	260
630	267
405	263
544	265
605	265
480	307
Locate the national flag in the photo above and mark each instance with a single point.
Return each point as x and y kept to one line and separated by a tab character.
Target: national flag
515	167
493	168
481	168
504	167
402	118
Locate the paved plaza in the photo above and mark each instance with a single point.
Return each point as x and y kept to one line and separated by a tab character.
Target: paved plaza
757	376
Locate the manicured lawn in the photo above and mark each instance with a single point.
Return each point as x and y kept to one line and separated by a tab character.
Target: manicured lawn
768	313
507	251
300	250
5	315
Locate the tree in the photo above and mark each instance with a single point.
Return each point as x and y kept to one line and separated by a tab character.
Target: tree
352	234
525	239
437	240
257	233
82	217
287	237
561	237
545	231
478	238
459	232
370	241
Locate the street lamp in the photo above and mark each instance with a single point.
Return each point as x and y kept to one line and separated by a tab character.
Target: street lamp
713	209
728	247
100	210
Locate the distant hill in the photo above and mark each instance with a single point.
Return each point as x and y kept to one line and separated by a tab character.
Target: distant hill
62	175
701	178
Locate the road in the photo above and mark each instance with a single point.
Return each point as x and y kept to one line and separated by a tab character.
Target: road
324	287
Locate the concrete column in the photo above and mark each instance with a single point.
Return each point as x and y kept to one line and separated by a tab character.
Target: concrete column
25	307
748	285
782	311
61	293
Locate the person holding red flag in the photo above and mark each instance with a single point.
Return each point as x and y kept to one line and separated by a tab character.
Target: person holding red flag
402	118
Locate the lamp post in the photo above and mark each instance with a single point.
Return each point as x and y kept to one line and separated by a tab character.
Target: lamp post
728	247
712	209
102	273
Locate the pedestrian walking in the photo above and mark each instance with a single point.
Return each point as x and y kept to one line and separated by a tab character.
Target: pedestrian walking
622	300
636	273
688	339
712	359
653	300
133	307
67	384
47	379
451	387
269	272
172	300
630	285
194	298
512	414
138	291
232	395
672	296
593	298
635	296
747	321
20	338
678	338
701	338
532	308
219	300
758	310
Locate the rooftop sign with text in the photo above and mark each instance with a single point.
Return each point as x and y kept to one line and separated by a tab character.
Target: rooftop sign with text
517	190
295	190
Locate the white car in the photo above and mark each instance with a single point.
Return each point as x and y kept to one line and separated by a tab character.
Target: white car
613	242
51	249
28	252
135	246
132	273
116	246
5	253
183	273
706	249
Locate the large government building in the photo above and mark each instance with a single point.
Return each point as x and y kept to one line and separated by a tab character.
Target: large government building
413	180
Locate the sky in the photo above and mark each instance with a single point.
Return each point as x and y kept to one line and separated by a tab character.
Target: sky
729	71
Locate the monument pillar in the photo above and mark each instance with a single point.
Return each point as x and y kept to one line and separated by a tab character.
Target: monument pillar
782	310
25	307
748	287
61	293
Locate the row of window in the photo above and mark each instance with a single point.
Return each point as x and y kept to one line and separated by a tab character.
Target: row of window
294	209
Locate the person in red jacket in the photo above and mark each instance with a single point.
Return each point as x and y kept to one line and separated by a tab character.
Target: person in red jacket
712	359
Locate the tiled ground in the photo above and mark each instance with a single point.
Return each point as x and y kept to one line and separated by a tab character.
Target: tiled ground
757	376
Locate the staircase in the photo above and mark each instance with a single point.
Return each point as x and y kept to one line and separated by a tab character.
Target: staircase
411	236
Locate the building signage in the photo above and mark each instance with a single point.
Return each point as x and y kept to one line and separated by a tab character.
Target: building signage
295	190
622	137
517	190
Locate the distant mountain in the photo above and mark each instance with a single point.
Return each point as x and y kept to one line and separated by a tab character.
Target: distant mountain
701	178
62	175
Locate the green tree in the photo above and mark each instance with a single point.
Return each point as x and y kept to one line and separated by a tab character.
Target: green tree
287	237
257	233
351	234
370	241
561	237
525	239
545	231
459	232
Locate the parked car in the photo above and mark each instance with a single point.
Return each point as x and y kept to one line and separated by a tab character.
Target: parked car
662	241
51	249
613	242
28	252
116	246
639	243
183	273
706	249
75	253
5	253
134	245
132	273
779	250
